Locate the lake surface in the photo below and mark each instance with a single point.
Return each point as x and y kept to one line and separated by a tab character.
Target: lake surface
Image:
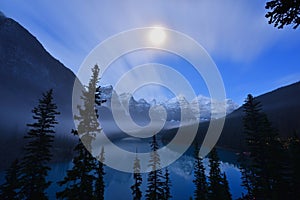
181	175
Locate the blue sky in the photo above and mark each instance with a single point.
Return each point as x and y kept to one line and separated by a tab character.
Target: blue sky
252	56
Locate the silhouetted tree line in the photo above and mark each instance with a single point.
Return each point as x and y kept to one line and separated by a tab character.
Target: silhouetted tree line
158	183
26	179
213	187
270	166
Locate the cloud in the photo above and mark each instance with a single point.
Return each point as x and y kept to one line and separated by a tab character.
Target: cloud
125	72
230	29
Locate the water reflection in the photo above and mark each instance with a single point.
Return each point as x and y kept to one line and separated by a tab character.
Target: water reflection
181	174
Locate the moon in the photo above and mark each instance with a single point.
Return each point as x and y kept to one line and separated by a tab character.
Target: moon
157	36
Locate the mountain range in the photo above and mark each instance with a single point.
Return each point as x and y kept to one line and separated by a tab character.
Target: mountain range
201	107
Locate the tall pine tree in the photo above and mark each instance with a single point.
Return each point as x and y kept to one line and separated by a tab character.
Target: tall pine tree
201	191
265	152
100	184
155	189
217	190
81	181
34	169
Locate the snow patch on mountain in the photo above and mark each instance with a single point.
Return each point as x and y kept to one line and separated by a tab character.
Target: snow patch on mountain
201	108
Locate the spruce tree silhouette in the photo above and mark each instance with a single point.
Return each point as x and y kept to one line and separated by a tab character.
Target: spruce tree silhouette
34	169
265	152
216	189
155	189
201	191
81	182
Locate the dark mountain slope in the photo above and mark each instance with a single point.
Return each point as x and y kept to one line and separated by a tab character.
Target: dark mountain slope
26	71
282	107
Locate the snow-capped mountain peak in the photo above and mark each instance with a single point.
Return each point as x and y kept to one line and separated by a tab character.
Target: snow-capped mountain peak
201	107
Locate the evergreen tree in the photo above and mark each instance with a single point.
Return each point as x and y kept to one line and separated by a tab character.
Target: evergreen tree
80	180
251	121
167	185
100	184
216	189
88	125
136	191
201	192
34	169
155	184
265	151
9	190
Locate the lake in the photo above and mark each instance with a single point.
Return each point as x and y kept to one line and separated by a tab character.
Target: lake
181	175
